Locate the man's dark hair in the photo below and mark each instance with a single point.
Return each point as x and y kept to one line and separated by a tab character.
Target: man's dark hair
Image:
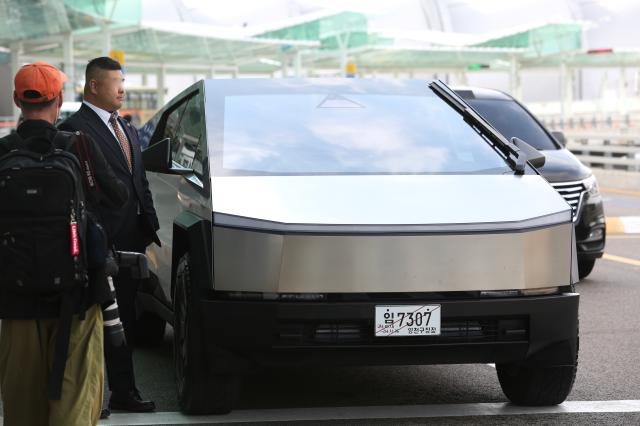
102	63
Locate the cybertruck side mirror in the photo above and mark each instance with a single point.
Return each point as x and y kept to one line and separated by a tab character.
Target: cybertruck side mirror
157	158
559	137
533	156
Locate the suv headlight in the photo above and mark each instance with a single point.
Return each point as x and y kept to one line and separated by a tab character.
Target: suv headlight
591	186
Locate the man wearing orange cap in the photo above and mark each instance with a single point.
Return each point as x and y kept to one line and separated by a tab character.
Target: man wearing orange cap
30	327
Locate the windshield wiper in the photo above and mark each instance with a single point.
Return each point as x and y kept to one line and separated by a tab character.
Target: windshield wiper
513	155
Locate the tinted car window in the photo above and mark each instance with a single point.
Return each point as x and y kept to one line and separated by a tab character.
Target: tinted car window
188	147
513	121
171	127
350	134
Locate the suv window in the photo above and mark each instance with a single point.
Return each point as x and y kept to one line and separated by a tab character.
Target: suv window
512	120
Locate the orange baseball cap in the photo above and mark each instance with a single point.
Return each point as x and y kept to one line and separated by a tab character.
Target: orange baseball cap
39	82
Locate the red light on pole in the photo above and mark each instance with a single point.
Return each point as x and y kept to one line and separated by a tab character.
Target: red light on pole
597	51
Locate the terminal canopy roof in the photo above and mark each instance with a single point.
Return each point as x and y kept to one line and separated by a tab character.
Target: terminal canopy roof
40	29
323	40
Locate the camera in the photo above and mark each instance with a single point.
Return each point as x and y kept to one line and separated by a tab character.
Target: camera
136	265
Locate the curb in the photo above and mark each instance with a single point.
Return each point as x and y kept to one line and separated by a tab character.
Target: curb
623	225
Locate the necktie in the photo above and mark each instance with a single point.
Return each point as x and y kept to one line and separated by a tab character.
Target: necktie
122	139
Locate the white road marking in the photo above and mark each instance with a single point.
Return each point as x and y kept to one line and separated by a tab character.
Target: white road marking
375	412
620	259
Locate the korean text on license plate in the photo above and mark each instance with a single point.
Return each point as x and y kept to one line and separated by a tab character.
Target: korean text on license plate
407	320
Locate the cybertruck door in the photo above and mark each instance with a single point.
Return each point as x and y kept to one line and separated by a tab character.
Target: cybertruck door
176	193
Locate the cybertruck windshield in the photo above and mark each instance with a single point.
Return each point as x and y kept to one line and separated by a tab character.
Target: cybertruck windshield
346	129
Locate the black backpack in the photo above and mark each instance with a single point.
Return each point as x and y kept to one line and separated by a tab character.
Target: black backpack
43	229
42	219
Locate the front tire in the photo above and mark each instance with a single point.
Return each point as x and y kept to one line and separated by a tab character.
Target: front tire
199	392
536	386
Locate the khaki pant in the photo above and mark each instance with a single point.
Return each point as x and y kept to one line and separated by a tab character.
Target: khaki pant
26	357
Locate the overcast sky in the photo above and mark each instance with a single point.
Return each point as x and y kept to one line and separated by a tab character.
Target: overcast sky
466	15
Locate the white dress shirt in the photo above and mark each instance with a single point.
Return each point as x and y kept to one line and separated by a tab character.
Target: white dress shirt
104	116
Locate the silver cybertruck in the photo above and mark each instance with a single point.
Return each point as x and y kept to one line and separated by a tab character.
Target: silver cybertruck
343	222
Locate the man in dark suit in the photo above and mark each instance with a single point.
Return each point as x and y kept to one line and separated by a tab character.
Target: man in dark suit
131	228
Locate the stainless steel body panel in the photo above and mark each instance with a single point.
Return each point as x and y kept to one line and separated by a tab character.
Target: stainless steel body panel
299	263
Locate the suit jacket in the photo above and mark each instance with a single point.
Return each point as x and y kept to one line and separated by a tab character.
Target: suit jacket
119	222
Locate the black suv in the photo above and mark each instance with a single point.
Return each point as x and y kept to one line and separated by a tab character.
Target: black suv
572	179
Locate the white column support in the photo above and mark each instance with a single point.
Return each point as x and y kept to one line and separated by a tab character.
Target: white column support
162	73
515	81
284	68
68	67
343	47
622	91
461	77
566	89
16	50
297	64
106	41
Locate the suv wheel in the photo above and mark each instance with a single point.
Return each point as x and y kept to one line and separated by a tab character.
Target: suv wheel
585	267
199	392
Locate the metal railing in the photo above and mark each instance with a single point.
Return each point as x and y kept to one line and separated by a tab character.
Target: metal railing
617	151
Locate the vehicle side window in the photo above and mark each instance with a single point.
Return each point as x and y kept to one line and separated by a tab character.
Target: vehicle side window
171	126
189	151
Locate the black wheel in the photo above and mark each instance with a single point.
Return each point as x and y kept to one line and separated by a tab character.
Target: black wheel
536	386
199	392
150	329
585	267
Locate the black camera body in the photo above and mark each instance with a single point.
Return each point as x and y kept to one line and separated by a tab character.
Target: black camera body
116	263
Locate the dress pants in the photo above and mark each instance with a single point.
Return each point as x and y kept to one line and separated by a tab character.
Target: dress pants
119	360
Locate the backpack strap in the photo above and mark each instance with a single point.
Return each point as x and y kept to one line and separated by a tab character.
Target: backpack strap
10	142
62	140
65	141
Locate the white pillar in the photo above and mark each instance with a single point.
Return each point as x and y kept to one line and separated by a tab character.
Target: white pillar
622	91
515	82
106	41
162	72
284	59
566	88
462	77
297	64
16	50
68	67
343	47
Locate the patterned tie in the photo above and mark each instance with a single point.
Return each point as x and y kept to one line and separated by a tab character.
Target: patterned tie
122	138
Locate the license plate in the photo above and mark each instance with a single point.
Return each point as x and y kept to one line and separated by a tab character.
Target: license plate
407	320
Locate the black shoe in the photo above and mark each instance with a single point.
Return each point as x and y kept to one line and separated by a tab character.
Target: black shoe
105	413
130	401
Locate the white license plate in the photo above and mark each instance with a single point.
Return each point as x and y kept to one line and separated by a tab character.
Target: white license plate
407	320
